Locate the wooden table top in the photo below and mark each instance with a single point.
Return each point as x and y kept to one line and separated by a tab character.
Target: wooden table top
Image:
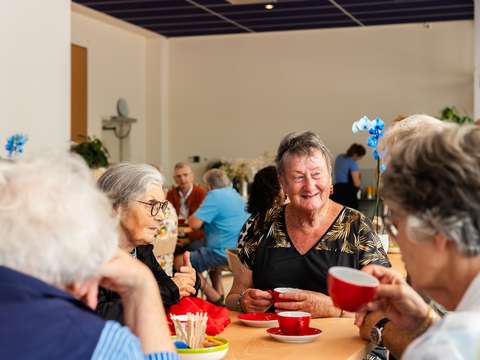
339	340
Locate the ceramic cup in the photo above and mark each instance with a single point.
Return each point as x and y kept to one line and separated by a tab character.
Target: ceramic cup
294	322
281	290
350	288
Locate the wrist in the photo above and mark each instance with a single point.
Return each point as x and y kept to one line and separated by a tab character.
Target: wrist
240	299
427	321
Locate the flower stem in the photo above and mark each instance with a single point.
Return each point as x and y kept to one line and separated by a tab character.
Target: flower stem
377	198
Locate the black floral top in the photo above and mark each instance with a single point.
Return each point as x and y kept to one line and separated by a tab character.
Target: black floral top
265	247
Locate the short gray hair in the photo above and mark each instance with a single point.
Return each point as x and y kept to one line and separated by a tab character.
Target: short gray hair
433	177
216	179
301	143
181	165
55	224
125	181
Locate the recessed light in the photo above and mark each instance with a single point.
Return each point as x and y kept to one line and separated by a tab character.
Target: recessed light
269	6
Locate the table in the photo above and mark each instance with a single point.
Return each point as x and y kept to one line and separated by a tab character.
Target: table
339	340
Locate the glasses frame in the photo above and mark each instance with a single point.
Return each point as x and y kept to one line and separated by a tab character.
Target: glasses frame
156	206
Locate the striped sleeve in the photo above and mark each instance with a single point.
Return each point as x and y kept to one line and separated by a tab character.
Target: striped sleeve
118	343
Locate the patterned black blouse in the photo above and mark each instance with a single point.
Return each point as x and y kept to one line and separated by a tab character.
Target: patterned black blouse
265	248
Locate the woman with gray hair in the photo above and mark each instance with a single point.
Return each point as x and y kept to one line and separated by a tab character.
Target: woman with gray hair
136	194
51	263
296	244
432	188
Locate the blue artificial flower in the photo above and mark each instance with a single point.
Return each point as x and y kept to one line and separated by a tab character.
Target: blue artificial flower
375	129
15	144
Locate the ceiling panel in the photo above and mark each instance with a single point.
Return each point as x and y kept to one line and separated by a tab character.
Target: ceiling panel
174	18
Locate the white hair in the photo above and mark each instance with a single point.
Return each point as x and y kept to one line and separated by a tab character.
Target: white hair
412	125
126	181
54	224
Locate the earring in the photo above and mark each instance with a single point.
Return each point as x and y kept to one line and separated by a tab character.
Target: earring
331	190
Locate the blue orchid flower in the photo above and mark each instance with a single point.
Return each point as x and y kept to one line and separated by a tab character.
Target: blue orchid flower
375	129
15	144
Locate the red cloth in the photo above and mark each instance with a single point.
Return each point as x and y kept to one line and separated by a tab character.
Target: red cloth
218	317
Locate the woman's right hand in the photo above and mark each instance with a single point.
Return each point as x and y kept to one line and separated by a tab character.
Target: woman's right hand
126	275
254	300
396	299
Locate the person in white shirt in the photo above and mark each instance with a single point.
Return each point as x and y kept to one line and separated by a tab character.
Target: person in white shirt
432	188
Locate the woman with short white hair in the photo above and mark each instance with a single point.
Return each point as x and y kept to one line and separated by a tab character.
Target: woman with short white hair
137	196
432	188
59	242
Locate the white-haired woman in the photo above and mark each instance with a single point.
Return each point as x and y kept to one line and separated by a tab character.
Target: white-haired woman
432	189
296	244
51	262
137	196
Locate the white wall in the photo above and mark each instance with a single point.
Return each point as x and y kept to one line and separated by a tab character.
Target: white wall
116	68
35	73
157	104
237	95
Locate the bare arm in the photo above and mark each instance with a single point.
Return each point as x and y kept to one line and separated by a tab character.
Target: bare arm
143	309
356	178
253	300
194	222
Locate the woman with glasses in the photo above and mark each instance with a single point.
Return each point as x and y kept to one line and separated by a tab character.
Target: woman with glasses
432	189
136	193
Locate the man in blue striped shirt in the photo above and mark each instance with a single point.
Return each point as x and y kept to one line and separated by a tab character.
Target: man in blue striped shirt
58	244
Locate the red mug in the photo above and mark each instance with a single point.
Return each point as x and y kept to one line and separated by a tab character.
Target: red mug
294	322
349	288
281	290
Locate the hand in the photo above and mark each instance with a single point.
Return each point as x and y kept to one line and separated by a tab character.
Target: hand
125	275
185	278
255	300
317	304
396	299
187	267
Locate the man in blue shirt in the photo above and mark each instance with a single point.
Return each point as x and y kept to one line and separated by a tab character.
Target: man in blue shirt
222	214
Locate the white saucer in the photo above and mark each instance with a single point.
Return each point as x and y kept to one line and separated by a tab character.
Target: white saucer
311	335
259	320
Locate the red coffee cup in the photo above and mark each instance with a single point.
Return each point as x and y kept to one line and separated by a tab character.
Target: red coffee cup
350	288
281	290
294	322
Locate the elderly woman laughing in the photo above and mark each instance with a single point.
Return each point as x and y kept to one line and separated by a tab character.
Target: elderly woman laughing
296	244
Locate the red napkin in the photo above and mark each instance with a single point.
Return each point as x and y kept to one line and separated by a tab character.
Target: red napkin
218	317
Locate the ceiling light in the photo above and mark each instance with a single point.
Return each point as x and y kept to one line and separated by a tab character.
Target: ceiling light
269	6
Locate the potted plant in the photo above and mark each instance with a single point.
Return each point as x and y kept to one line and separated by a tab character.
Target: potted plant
93	152
450	113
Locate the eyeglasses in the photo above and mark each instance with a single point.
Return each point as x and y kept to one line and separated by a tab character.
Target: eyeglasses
156	206
392	230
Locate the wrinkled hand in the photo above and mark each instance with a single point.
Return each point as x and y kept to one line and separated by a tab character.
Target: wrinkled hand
255	300
185	278
395	299
125	275
317	304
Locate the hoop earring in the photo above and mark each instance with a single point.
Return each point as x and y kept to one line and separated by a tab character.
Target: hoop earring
331	190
